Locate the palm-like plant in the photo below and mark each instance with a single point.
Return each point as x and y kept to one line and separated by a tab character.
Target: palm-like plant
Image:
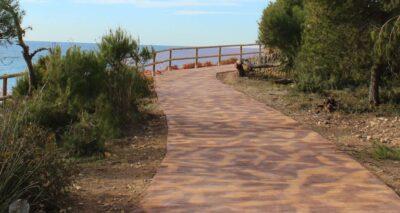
119	48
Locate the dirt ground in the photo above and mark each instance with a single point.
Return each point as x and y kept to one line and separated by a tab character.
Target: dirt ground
117	182
353	133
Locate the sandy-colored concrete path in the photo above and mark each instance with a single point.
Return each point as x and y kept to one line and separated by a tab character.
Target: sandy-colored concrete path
229	153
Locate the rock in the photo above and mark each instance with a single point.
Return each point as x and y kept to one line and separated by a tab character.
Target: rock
77	187
107	155
369	138
330	104
19	206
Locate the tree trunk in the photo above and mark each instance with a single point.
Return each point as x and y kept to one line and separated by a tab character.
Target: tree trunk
32	75
25	48
376	73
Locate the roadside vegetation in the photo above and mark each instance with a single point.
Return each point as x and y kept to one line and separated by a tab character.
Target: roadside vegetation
66	109
345	51
340	45
339	76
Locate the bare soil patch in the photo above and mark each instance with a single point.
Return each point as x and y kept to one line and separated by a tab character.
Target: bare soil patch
354	133
116	182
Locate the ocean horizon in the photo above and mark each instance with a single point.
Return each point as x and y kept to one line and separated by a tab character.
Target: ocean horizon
11	60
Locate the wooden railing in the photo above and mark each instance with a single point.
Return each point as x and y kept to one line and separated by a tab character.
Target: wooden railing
4	79
197	57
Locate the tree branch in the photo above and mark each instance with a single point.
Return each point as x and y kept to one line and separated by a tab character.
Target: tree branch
38	51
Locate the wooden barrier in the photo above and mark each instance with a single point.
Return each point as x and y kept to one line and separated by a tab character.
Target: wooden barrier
4	79
197	56
171	58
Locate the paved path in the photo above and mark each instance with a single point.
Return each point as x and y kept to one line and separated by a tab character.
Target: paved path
229	153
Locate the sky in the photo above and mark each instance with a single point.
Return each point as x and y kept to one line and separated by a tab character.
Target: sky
155	22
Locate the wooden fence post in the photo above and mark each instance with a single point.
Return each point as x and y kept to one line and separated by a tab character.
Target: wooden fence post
241	52
5	86
170	60
4	90
197	58
154	64
219	56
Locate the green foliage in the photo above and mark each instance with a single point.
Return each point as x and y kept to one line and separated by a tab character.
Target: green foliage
84	138
86	98
8	10
384	152
281	27
31	166
333	55
118	47
335	44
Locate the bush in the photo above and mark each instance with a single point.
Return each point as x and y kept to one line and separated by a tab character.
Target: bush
173	67
208	64
332	54
22	86
189	66
84	138
87	97
281	27
229	61
31	166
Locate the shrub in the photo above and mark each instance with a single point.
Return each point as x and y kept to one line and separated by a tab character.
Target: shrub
332	53
87	97
281	27
229	61
22	86
208	64
189	66
125	87
119	48
31	166
173	67
84	138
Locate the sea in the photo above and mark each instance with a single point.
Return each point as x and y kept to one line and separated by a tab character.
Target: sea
11	60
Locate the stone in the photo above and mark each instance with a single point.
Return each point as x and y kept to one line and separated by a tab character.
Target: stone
19	206
107	155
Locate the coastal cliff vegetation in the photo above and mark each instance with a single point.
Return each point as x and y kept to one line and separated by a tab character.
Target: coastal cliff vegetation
336	45
65	108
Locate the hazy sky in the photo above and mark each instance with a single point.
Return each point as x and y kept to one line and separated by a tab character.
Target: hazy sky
166	22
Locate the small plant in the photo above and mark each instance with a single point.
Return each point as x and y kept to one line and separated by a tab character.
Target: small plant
385	152
173	67
189	66
229	61
208	64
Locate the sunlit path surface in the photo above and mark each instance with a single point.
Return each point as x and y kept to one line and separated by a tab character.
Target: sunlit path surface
229	153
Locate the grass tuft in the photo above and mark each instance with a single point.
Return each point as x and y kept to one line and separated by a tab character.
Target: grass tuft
384	152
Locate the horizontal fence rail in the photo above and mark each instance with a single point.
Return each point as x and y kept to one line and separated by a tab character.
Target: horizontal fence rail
170	58
196	56
4	79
